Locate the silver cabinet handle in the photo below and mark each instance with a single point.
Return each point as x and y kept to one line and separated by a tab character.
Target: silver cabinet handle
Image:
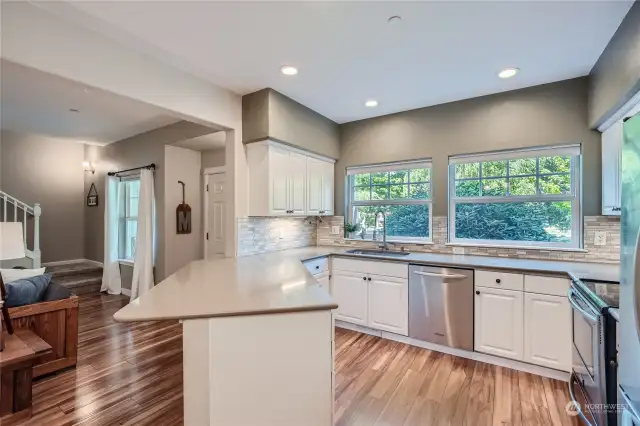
433	274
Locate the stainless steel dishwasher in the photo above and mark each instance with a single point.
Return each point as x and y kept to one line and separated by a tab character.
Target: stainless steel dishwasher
441	305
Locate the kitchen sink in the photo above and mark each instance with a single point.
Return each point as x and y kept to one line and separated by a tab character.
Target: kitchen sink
379	252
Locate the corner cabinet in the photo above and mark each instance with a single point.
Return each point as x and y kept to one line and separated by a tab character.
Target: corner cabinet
611	169
285	181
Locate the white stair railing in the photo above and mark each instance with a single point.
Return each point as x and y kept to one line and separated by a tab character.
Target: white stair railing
22	212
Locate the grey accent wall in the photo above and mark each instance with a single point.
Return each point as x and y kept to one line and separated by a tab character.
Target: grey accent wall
135	151
615	78
543	115
37	169
213	158
270	114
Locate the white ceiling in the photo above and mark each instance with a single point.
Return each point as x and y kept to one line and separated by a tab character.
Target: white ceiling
207	142
346	52
38	103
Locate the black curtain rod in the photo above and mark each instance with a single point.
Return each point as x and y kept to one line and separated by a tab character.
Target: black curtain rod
151	166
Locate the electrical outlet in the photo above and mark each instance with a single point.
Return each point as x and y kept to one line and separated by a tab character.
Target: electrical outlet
458	250
600	238
335	230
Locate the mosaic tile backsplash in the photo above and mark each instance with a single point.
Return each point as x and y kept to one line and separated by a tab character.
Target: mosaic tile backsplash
265	234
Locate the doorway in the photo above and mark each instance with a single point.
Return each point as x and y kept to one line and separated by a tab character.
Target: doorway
215	212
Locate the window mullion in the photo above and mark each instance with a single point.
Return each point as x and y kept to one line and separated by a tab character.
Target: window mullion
538	175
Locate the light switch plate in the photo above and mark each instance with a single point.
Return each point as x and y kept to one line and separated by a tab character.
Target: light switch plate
458	250
335	230
600	238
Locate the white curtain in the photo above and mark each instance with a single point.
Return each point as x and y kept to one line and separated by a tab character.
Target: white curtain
142	280
111	282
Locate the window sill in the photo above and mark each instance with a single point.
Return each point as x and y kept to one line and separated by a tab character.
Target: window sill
523	247
125	262
397	242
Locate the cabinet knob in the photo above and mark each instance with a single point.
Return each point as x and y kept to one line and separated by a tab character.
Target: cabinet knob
317	266
497	280
364	278
369	279
477	292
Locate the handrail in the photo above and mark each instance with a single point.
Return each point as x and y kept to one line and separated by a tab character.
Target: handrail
13	200
34	211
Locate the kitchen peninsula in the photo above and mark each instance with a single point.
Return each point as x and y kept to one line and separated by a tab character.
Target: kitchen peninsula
262	316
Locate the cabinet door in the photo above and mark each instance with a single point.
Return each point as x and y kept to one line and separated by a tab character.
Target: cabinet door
349	291
323	280
327	187
389	304
279	185
547	331
611	169
314	186
297	168
498	326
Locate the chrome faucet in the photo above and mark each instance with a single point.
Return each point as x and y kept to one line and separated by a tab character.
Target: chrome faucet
384	230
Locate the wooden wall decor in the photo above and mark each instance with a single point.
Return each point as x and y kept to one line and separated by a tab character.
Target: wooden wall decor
183	215
92	196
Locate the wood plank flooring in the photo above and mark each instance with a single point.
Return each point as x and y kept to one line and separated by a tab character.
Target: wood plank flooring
131	374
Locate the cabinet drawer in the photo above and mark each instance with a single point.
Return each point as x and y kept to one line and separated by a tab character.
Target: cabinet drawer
502	280
317	266
385	269
540	284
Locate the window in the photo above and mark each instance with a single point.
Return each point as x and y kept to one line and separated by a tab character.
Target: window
524	198
129	196
401	190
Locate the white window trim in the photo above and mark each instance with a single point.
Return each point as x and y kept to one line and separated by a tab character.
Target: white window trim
124	219
386	167
575	197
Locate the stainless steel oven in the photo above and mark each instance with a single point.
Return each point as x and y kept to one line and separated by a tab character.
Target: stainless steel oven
588	378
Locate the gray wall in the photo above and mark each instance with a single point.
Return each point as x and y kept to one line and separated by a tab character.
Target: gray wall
135	151
37	169
615	78
213	158
289	122
543	115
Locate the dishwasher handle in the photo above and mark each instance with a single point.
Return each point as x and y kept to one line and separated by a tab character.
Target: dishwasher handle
433	274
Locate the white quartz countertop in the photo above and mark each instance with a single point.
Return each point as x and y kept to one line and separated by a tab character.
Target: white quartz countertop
278	282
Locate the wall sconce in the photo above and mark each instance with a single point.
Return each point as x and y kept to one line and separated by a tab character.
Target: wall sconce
88	167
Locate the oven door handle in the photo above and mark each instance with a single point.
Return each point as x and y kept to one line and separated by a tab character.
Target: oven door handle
574	304
573	380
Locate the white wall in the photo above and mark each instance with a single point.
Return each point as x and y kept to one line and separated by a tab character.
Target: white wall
213	158
184	165
34	36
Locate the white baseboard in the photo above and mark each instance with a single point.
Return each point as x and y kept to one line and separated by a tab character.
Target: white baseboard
125	291
476	356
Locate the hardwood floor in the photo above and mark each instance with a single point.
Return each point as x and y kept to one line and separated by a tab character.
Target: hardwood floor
131	374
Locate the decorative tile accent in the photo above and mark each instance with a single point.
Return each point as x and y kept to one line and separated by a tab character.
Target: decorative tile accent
598	254
264	234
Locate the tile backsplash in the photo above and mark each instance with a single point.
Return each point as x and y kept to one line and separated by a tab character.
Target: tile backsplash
264	234
609	253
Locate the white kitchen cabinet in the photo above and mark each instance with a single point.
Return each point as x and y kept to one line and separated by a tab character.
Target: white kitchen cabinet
323	279
285	181
319	187
547	331
350	291
498	327
389	304
611	169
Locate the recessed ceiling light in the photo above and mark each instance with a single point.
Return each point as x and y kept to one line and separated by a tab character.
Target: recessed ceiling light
371	103
289	70
73	110
508	72
394	20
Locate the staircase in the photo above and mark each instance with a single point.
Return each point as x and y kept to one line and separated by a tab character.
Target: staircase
14	210
79	277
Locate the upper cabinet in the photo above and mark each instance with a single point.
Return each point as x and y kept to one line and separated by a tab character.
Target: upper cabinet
285	181
611	169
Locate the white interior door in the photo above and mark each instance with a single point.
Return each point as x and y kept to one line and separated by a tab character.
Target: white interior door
216	207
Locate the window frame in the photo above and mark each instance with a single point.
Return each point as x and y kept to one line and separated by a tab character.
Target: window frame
125	217
352	204
574	195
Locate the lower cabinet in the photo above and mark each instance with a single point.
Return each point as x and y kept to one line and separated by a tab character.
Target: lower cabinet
350	292
389	304
499	316
373	301
547	330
